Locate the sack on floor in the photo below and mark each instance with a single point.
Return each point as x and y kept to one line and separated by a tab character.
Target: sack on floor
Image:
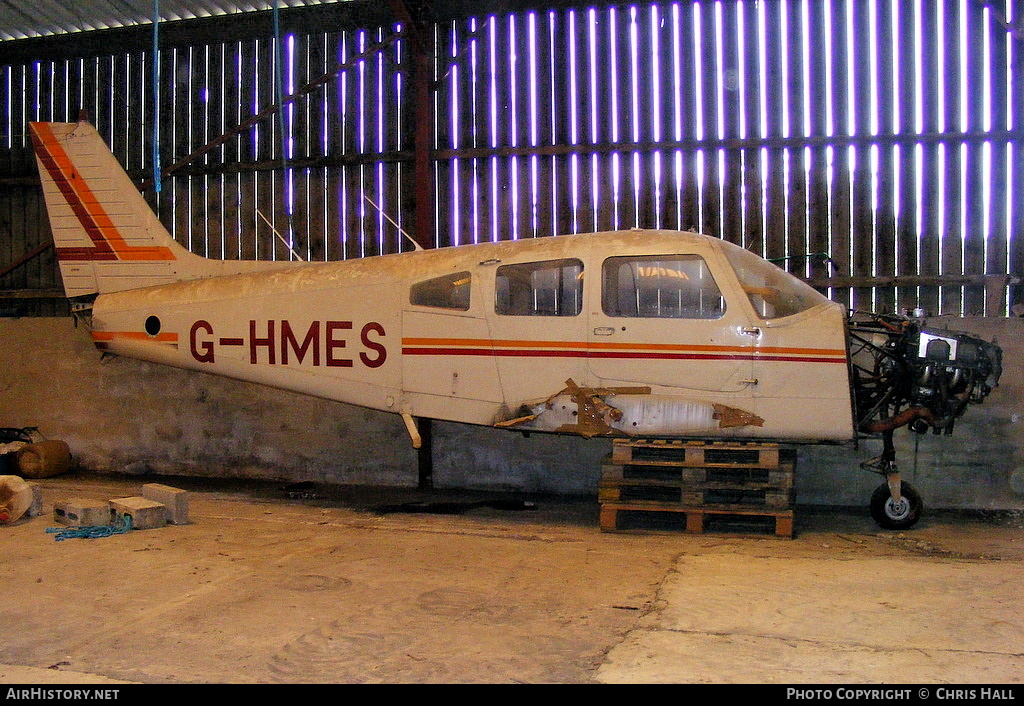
44	459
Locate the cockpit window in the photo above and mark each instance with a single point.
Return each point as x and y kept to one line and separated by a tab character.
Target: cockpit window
660	286
773	292
548	288
445	292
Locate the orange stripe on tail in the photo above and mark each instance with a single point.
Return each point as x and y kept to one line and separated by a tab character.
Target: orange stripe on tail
108	244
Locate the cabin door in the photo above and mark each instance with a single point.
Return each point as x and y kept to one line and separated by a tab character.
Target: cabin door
664	320
538	327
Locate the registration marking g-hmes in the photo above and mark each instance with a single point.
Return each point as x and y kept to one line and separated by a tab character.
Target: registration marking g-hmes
273	342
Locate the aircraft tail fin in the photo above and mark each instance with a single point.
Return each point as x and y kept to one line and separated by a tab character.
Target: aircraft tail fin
106	236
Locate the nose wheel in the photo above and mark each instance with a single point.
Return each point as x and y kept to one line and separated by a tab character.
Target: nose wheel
896	511
895	505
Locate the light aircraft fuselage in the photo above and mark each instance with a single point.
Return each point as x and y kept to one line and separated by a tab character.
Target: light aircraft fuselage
438	334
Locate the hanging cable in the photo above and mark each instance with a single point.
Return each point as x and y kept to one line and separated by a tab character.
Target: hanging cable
156	95
279	88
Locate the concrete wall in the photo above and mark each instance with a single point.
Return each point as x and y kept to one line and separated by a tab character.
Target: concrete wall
133	417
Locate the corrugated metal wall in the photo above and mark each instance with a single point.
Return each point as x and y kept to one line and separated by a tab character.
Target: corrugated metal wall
883	135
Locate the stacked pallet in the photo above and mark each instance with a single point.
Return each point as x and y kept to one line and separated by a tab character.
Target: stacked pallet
699	486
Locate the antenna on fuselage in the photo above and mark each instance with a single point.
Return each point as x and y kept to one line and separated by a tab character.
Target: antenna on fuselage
281	237
416	245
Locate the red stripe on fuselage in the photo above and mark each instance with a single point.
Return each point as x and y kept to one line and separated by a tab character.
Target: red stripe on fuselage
753	355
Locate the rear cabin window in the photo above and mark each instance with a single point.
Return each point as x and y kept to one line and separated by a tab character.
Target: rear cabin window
446	292
548	288
660	287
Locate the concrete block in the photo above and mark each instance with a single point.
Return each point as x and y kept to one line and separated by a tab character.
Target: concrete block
144	513
81	512
175	499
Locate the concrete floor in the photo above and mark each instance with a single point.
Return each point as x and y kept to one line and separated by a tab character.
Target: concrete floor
261	587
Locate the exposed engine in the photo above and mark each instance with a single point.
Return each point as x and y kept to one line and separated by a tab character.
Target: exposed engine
905	373
908	374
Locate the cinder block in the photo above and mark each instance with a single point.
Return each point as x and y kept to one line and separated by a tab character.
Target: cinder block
144	513
175	499
82	512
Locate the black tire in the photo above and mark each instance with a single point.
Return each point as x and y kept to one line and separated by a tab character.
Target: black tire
891	516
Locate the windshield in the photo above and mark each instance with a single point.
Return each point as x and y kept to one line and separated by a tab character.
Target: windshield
773	292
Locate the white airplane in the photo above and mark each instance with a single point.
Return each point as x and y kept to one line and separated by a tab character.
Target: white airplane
640	333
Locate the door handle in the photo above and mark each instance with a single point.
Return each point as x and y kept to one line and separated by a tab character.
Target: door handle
604	331
751	331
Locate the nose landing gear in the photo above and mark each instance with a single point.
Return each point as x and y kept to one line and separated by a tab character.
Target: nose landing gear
895	504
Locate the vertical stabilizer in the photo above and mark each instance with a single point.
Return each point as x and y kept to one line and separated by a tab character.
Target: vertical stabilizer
107	237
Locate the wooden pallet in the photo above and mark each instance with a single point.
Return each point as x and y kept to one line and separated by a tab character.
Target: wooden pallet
652	484
645	518
744	497
678	452
781	477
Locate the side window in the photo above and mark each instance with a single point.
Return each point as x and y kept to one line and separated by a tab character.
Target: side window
660	286
549	288
446	292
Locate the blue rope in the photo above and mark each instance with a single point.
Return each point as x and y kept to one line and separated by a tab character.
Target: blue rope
90	532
